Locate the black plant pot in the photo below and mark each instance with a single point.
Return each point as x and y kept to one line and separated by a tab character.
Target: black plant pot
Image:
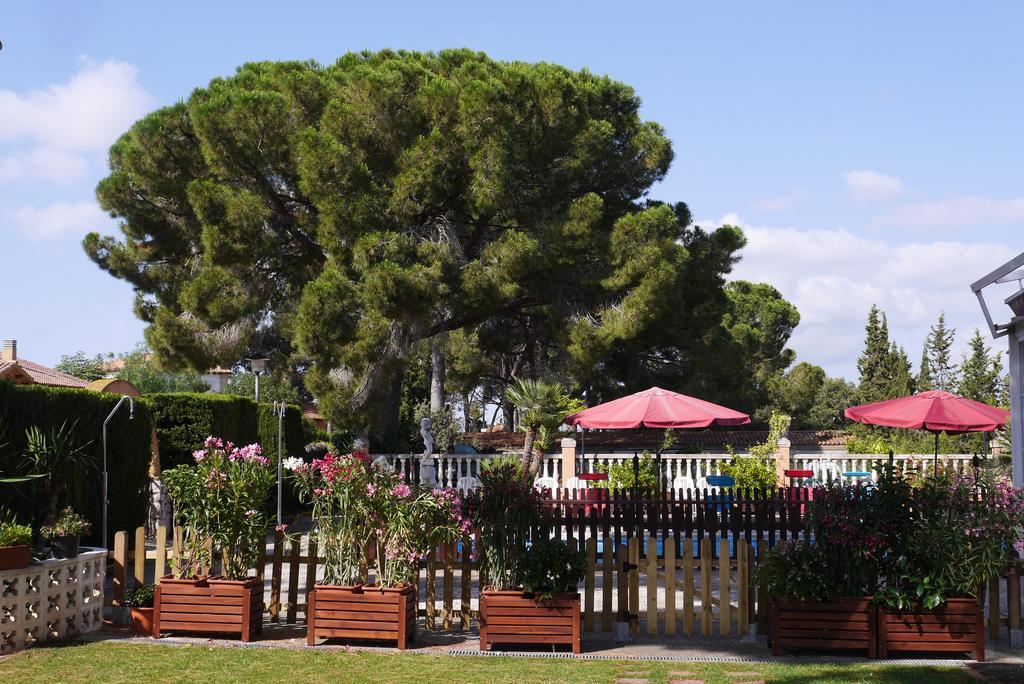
64	547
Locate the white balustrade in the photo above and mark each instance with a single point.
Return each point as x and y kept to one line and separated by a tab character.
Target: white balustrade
52	600
676	467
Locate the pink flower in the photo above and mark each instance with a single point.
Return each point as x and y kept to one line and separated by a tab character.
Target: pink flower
212	441
371	489
199	455
281	528
250	513
402	490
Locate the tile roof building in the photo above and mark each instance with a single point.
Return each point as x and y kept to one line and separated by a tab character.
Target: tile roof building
24	372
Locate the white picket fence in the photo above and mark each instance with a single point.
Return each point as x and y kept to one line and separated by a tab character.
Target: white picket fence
684	470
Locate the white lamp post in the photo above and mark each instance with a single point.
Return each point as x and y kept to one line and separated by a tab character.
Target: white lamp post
257	366
278	410
1009	272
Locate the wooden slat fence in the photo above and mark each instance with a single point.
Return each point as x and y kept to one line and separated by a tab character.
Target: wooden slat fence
671	585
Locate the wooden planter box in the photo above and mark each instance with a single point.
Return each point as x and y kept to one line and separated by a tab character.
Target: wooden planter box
209	605
510	617
142	621
362	613
15	557
848	623
958	627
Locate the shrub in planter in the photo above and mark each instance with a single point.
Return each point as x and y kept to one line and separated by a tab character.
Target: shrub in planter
807	608
531	594
968	532
64	533
360	505
15	545
139	600
220	499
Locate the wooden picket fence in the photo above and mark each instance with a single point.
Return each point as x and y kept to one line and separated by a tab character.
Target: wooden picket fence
658	585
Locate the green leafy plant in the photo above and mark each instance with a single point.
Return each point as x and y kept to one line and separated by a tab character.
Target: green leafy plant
800	570
505	508
221	498
622	477
553	566
14	534
750	472
140	596
67	524
64	462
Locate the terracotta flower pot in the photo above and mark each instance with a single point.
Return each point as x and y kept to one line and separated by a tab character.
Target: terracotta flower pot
958	626
15	557
512	617
142	621
360	612
845	623
209	604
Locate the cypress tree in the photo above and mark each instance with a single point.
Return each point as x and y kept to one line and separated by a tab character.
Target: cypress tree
873	359
981	373
943	369
924	373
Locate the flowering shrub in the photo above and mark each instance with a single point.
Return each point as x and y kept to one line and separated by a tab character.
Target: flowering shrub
907	545
67	524
552	566
221	498
506	508
967	532
357	502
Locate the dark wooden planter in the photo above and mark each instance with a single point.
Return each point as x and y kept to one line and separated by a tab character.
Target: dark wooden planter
958	627
15	557
64	547
142	621
360	612
511	617
847	623
209	605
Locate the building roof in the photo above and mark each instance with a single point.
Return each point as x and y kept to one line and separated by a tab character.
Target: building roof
12	372
44	375
652	439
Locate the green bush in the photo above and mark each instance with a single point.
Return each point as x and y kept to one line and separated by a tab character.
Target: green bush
622	477
129	444
13	534
183	421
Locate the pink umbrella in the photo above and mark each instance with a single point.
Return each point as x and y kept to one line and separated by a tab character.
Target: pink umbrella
656	408
934	411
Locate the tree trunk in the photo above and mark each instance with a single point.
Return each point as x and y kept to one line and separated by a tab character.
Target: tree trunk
535	464
467	422
531	435
385	430
508	412
437	374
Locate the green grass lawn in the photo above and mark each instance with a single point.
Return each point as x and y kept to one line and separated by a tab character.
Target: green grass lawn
114	662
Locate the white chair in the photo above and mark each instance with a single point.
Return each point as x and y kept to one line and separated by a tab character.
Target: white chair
548	483
828	471
576	483
467	483
681	483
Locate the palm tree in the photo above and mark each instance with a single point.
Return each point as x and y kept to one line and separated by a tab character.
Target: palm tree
62	460
539	404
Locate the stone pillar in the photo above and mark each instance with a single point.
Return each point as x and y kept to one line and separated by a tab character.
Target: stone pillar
568	460
782	462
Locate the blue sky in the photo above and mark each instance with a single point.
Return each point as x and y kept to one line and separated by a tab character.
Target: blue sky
872	151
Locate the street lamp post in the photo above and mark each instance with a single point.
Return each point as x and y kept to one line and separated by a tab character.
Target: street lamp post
1011	271
257	366
278	410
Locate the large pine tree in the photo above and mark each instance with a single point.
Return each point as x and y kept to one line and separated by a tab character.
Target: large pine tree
981	373
943	369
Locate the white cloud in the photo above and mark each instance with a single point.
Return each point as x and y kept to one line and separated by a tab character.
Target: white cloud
52	133
781	202
869	185
956	212
60	219
833	277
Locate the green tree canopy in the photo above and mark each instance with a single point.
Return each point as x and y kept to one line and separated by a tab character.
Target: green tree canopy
981	376
79	365
348	212
143	370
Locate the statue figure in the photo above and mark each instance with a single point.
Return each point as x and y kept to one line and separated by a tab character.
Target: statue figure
428	474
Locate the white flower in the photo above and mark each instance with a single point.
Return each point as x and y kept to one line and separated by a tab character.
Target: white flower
292	462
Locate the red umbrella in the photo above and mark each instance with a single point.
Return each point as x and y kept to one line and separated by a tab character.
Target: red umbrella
934	411
656	408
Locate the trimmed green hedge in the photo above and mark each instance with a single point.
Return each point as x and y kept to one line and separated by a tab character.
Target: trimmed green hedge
129	444
183	421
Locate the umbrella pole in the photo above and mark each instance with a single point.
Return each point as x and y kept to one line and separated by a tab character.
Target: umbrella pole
935	467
